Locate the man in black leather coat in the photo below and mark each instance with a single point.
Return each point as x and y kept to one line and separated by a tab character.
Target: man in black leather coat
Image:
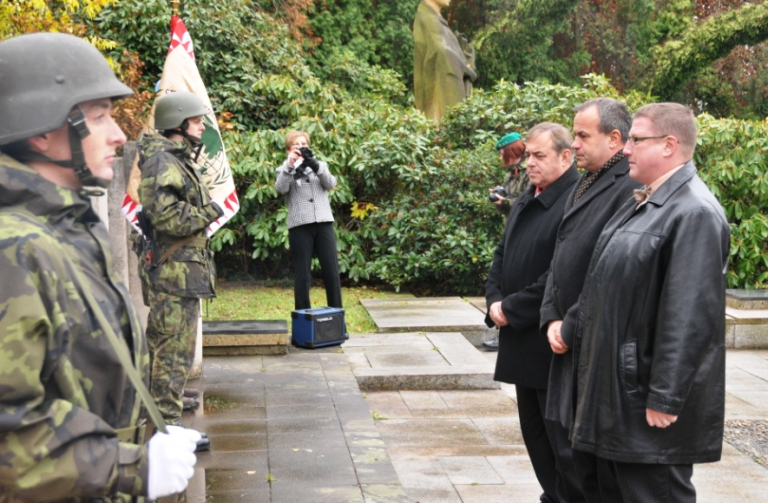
650	333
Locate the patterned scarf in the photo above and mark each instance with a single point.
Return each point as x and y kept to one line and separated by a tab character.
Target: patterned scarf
590	178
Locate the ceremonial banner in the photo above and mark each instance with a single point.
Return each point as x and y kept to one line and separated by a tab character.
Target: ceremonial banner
180	73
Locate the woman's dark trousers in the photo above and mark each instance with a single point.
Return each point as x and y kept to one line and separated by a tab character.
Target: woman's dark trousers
306	240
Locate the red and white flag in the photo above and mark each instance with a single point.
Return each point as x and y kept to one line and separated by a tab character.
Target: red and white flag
180	73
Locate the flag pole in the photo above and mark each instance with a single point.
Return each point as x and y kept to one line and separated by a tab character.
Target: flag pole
175	7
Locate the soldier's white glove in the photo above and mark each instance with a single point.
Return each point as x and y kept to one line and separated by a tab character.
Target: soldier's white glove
171	460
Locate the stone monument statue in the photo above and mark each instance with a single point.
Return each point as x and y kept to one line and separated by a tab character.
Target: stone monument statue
444	64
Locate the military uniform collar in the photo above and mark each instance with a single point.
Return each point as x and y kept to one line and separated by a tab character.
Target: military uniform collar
23	187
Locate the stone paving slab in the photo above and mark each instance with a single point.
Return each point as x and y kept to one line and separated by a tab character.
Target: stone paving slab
421	359
469	470
433	314
478	302
418	361
748	315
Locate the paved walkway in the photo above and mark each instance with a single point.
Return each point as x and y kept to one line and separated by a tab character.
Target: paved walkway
289	429
432	428
466	447
296	428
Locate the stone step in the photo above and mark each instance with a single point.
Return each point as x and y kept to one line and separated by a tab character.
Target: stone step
245	337
401	379
746	299
746	328
418	361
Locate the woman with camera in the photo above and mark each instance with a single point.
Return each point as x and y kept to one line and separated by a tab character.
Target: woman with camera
511	150
305	182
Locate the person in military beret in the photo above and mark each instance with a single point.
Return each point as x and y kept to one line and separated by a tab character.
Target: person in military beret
72	365
179	271
512	151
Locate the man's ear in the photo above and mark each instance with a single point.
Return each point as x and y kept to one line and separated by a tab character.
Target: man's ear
38	143
671	146
615	140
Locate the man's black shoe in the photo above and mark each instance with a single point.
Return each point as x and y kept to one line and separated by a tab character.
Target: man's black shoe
191	392
492	345
188	403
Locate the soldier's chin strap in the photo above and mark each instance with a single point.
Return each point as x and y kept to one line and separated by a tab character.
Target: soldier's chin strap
197	143
78	131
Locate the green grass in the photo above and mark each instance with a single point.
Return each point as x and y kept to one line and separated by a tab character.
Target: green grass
258	301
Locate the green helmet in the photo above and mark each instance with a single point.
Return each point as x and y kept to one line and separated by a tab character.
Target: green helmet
43	76
174	108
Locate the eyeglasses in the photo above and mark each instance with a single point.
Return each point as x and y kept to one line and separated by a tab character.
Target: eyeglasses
638	139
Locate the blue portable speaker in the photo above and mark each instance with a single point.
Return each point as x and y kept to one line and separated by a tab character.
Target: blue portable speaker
318	327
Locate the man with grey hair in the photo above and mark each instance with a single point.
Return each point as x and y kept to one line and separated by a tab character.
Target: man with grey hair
601	128
651	333
514	290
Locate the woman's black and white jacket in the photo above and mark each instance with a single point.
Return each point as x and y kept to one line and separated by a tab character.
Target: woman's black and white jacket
307	196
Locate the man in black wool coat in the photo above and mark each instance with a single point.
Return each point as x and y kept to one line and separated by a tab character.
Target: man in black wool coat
514	291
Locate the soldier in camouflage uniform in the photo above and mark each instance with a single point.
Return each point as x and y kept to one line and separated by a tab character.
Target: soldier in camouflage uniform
179	208
69	415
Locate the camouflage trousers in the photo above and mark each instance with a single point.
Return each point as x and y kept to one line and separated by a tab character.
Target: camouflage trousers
171	336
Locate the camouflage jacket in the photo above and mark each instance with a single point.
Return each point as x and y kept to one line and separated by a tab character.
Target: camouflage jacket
178	205
63	392
515	184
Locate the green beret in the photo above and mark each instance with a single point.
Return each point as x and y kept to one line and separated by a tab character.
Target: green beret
507	139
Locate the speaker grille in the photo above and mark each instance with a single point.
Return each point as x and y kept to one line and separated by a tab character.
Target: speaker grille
329	328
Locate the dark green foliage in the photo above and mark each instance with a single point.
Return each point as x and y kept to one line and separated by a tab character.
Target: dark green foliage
235	46
511	107
376	32
439	236
411	203
430	227
732	157
518	45
679	60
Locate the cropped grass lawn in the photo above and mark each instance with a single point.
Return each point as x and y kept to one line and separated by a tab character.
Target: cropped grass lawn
265	301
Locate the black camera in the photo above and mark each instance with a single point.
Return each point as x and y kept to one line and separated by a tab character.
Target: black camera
309	161
497	192
306	152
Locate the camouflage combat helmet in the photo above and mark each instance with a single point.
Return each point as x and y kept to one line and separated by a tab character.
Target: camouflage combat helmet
174	108
43	76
